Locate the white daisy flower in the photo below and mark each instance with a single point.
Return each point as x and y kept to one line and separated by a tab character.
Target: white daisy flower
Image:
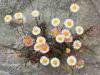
55	62
66	33
44	48
44	60
36	30
41	40
77	44
18	15
79	30
69	23
55	22
71	60
35	13
8	18
37	47
60	38
74	8
21	20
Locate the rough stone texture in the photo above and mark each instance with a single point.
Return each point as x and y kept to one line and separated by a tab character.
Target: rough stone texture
88	16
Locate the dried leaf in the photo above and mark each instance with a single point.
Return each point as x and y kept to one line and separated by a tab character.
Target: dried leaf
93	31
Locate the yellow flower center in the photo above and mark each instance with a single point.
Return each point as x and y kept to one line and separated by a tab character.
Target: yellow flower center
60	38
55	62
37	46
66	33
71	61
8	18
44	47
74	7
55	31
40	40
45	60
27	40
18	14
79	30
77	45
55	21
35	30
69	23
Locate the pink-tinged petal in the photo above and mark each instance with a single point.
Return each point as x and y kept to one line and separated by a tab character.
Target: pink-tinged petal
69	39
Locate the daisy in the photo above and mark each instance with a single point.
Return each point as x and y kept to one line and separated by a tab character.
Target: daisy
41	40
44	60
66	33
79	30
71	60
69	23
8	18
44	48
77	44
35	13
55	62
55	31
55	22
21	20
18	15
60	38
37	47
28	41
36	30
74	7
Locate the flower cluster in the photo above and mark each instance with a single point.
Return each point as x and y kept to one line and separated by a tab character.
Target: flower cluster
67	37
19	17
56	46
